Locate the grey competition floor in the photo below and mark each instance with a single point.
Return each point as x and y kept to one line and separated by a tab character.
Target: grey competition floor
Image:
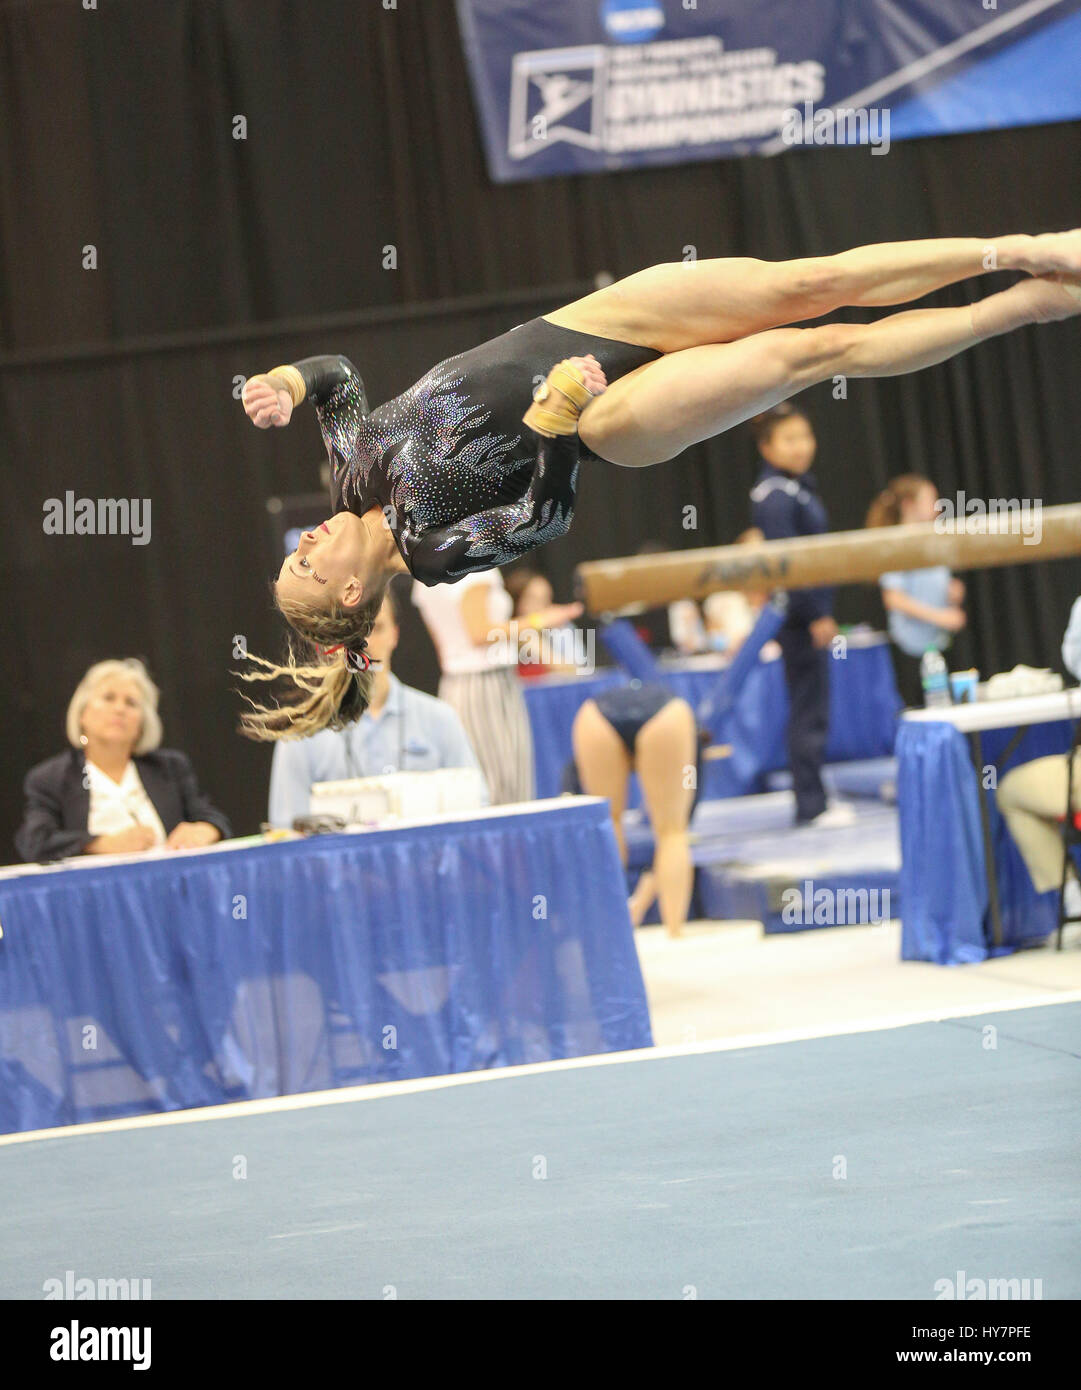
867	1165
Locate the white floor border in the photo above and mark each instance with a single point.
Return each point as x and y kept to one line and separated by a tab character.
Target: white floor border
380	1090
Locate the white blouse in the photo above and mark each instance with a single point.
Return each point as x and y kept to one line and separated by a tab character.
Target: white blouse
441	608
116	806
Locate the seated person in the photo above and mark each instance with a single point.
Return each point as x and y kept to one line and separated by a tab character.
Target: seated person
731	614
115	790
1032	799
690	628
402	730
686	627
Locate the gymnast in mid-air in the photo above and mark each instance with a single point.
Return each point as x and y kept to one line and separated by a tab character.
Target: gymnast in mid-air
454	475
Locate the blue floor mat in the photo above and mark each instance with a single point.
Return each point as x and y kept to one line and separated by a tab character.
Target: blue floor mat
864	1166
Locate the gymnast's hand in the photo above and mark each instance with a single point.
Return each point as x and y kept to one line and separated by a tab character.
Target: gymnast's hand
265	406
553	411
592	371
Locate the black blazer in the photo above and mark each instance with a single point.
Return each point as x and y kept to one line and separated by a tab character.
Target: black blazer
58	804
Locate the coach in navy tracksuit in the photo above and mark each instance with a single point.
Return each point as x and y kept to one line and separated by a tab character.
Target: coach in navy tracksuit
785	502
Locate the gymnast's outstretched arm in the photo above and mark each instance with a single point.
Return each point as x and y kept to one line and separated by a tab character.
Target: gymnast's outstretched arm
270	398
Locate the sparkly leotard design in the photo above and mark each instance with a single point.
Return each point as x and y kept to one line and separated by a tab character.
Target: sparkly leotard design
464	484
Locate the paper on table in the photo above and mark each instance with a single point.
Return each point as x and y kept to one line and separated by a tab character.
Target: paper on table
100	861
1022	680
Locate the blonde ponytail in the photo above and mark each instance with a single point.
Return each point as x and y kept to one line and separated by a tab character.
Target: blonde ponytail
321	688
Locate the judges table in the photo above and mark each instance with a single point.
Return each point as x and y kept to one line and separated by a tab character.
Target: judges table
863	714
965	891
199	977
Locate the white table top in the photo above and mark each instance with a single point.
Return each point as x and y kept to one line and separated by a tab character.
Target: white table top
483	813
1003	714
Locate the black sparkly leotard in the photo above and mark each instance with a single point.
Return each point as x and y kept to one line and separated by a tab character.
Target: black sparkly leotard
464	484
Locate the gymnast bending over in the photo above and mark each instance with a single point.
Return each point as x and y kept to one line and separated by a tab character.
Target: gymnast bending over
450	477
649	730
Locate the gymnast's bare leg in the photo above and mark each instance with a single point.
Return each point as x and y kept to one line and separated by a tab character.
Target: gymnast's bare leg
680	305
665	751
664	756
604	769
658	410
603	763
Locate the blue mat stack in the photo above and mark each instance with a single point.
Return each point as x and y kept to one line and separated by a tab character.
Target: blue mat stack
752	863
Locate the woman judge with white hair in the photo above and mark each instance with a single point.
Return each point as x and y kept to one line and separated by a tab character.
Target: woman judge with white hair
115	790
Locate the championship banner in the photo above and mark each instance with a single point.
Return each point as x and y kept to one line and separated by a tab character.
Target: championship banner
581	86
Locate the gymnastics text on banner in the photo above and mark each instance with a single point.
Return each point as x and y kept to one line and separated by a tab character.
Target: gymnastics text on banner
579	86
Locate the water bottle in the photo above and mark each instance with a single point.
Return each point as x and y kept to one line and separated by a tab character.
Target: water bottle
935	679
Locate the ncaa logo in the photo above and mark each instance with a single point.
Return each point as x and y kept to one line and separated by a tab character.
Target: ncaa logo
556	94
632	21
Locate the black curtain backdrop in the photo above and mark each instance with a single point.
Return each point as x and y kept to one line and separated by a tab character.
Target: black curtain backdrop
217	257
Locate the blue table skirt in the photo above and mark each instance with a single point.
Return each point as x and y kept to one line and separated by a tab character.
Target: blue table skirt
301	966
863	718
943	868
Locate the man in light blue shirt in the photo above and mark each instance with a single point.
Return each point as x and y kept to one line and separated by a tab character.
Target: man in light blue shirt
402	730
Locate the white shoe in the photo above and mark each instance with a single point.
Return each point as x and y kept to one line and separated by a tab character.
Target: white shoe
1071	900
835	817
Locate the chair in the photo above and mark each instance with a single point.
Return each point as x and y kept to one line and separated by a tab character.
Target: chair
1071	835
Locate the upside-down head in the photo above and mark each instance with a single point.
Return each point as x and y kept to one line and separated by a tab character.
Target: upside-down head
324	680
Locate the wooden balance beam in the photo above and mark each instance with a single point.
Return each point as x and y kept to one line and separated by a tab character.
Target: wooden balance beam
839	557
